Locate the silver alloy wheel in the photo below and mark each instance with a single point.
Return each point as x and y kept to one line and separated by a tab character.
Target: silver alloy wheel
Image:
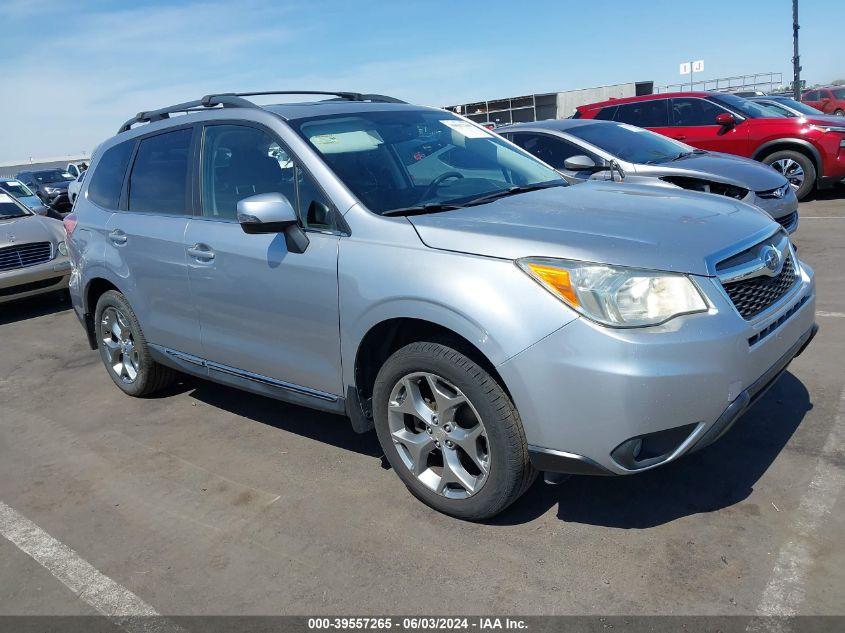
439	435
116	337
793	172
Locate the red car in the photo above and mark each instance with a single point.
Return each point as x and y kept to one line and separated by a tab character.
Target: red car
810	153
828	100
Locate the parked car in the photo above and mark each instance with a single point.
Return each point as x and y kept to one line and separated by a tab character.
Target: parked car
487	319
586	149
50	185
828	100
74	186
809	152
33	253
788	107
24	195
77	168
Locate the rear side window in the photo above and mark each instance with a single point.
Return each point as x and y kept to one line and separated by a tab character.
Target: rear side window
159	179
606	114
107	180
654	113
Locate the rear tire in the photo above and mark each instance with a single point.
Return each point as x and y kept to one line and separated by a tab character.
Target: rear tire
124	349
839	112
450	432
798	169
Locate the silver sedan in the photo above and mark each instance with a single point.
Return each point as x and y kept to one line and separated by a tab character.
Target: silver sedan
587	149
33	254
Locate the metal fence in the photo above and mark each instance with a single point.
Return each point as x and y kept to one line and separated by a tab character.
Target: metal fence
764	82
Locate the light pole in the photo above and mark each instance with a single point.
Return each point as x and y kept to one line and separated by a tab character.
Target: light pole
796	59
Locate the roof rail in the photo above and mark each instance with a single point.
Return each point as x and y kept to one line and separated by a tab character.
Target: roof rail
236	100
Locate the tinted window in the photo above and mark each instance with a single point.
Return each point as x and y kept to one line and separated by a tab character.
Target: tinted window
549	149
17	189
651	113
839	93
239	162
9	209
811	96
607	114
51	175
107	179
159	179
690	112
743	106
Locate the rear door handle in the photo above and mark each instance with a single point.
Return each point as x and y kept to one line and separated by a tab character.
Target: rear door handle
201	252
118	237
680	137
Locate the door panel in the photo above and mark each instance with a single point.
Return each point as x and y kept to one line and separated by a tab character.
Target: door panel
265	310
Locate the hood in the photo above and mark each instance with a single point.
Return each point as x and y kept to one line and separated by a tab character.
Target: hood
611	223
734	170
30	228
825	119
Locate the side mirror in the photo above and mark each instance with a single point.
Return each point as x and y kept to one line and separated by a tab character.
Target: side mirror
581	163
272	213
725	119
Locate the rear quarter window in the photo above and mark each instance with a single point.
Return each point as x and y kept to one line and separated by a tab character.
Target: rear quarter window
107	180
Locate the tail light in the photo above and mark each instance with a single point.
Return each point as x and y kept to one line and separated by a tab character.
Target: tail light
70	221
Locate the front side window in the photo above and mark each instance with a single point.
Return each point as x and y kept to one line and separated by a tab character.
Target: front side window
240	161
650	113
631	144
107	180
692	112
743	106
548	149
159	179
396	159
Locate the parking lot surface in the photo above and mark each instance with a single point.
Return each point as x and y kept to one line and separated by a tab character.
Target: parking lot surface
206	500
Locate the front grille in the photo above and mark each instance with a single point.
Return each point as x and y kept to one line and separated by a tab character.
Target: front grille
23	255
752	296
788	221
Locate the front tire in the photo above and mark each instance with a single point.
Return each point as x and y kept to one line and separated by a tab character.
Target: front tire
839	112
450	431
124	349
797	168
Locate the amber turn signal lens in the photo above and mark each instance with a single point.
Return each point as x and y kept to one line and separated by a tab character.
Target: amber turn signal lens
558	280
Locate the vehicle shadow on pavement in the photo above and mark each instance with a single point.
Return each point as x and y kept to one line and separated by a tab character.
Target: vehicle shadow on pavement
716	477
836	192
41	305
322	427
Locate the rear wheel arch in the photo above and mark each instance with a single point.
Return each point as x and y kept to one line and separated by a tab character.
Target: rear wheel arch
95	289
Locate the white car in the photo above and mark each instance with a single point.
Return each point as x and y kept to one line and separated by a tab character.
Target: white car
74	187
77	168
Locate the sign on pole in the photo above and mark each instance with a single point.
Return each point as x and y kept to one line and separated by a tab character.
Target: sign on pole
685	68
690	68
698	66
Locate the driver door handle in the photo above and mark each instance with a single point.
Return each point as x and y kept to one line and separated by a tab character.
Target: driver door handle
679	137
201	252
118	237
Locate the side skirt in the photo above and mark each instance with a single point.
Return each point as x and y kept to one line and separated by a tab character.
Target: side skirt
247	381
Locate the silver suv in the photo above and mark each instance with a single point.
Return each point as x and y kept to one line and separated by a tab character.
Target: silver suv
411	270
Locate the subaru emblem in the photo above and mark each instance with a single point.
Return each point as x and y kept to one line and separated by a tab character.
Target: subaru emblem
770	257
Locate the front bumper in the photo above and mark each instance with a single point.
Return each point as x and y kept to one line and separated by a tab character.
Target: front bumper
25	282
58	201
591	397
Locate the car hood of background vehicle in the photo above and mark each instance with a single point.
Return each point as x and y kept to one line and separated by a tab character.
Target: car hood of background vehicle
735	170
29	228
611	223
59	184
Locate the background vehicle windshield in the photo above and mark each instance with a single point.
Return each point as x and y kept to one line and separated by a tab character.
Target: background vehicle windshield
746	107
51	175
630	143
10	209
402	158
17	189
803	108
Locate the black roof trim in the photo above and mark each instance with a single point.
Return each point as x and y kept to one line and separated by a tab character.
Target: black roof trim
236	100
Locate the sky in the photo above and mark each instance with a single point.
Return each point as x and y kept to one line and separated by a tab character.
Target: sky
74	71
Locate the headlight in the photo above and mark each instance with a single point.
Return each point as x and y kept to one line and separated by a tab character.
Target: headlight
51	190
62	247
615	296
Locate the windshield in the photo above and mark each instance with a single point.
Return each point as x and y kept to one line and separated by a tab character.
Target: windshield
803	108
17	189
11	209
777	108
746	107
630	143
397	159
52	175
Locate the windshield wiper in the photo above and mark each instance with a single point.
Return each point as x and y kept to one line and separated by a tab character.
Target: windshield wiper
695	152
422	209
512	191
